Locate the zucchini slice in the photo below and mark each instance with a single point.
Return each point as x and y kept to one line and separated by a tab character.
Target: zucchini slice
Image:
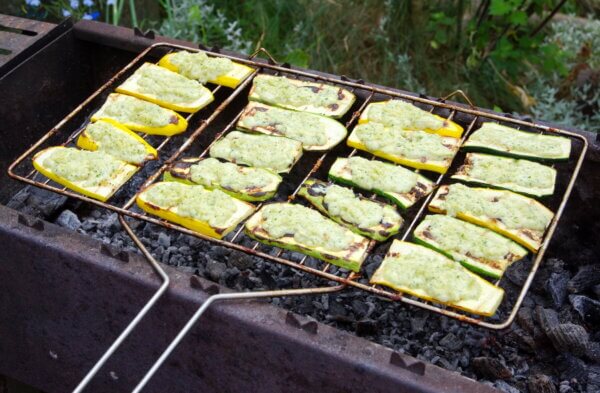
366	217
405	116
476	248
416	149
166	88
314	131
503	140
515	216
203	68
246	183
112	138
92	173
276	153
426	274
522	176
209	212
401	186
313	97
140	115
299	228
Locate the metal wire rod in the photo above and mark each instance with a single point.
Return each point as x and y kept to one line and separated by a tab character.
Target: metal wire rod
147	307
221	297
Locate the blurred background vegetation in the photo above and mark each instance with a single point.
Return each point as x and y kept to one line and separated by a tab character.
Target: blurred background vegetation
530	56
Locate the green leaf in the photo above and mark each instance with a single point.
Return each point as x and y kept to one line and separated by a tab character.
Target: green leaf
518	18
297	57
500	7
498	109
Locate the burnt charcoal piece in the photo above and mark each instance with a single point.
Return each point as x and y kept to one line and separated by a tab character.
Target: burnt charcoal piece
586	278
215	270
68	219
525	319
451	342
572	368
547	318
587	308
569	338
367	327
37	202
593	352
593	379
540	383
491	368
557	287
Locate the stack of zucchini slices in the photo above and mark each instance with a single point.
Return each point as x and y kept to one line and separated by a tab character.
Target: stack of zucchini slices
486	228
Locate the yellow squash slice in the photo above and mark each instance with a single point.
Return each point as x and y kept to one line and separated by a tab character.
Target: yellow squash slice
515	216
166	88
140	115
209	212
112	138
416	149
92	173
429	275
403	115
203	68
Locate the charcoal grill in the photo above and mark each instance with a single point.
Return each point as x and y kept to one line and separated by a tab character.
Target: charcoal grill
205	130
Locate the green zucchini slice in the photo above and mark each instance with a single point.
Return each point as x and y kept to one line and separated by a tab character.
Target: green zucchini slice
314	131
246	183
476	248
518	217
522	176
416	149
313	97
503	140
429	275
299	228
275	153
401	186
366	217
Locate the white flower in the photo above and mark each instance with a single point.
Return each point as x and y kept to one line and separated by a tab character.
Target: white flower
74	4
88	3
66	13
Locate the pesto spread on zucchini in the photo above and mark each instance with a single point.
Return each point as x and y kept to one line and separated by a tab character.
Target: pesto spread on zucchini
86	168
414	145
514	174
211	171
165	85
264	151
372	174
130	110
199	66
342	202
422	269
308	128
513	210
400	114
112	140
196	202
466	241
306	225
496	137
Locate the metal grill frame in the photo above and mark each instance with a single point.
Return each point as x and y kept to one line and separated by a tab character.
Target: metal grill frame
349	279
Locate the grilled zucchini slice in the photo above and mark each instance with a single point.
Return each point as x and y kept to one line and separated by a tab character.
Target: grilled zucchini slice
319	98
401	186
498	139
92	173
203	68
416	149
140	115
476	248
166	88
429	275
315	132
275	153
112	138
366	217
246	183
522	176
299	228
405	116
515	216
208	212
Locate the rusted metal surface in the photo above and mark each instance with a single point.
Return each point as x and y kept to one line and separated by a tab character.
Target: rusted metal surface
49	341
469	116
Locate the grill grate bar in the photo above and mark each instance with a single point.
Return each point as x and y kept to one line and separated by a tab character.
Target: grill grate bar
474	115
